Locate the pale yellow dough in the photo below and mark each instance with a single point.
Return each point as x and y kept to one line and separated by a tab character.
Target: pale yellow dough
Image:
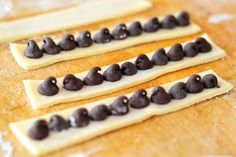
58	140
39	101
70	18
17	50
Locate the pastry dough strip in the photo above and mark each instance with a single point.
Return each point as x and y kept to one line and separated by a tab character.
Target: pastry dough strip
17	50
69	18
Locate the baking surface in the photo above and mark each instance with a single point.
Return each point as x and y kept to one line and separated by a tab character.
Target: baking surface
202	130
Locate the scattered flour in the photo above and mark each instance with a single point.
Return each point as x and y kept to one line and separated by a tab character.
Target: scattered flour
5	146
218	18
217	156
87	153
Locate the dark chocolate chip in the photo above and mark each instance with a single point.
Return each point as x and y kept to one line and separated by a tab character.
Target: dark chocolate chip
169	22
93	77
120	106
160	96
67	42
190	50
210	81
152	25
39	130
128	68
178	91
203	45
50	47
139	99
175	53
48	87
112	73
84	39
99	113
135	29
79	118
160	57
194	84
120	32
142	62
58	123
32	50
183	19
103	36
72	83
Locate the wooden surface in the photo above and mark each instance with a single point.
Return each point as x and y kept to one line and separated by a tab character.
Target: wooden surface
205	129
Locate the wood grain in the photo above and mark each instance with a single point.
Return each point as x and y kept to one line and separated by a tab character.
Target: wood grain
204	129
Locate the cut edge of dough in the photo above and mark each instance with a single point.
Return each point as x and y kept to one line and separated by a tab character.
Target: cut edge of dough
39	148
38	101
17	50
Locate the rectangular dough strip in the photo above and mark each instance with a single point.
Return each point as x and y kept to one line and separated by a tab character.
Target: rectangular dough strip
39	101
70	18
58	140
17	50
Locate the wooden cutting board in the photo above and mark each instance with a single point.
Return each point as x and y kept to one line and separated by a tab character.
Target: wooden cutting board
205	129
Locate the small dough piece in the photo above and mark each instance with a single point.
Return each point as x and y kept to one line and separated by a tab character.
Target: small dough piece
17	50
39	101
58	140
70	18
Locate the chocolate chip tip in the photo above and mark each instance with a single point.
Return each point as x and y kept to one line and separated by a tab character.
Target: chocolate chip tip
84	39
72	83
48	87
113	73
143	63
32	50
39	130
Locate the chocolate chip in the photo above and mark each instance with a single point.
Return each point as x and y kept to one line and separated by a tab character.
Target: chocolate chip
112	73
103	36
183	19
128	68
58	123
203	45
72	83
79	118
190	50
99	113
178	91
120	32
32	50
48	87
160	57
39	130
160	96
152	25
194	84
210	81
175	53
139	99
84	39
135	29
169	22
93	77
68	43
50	47
120	106
142	62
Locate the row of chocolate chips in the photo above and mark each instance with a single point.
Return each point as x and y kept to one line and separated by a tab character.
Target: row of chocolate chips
120	106
103	36
114	72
